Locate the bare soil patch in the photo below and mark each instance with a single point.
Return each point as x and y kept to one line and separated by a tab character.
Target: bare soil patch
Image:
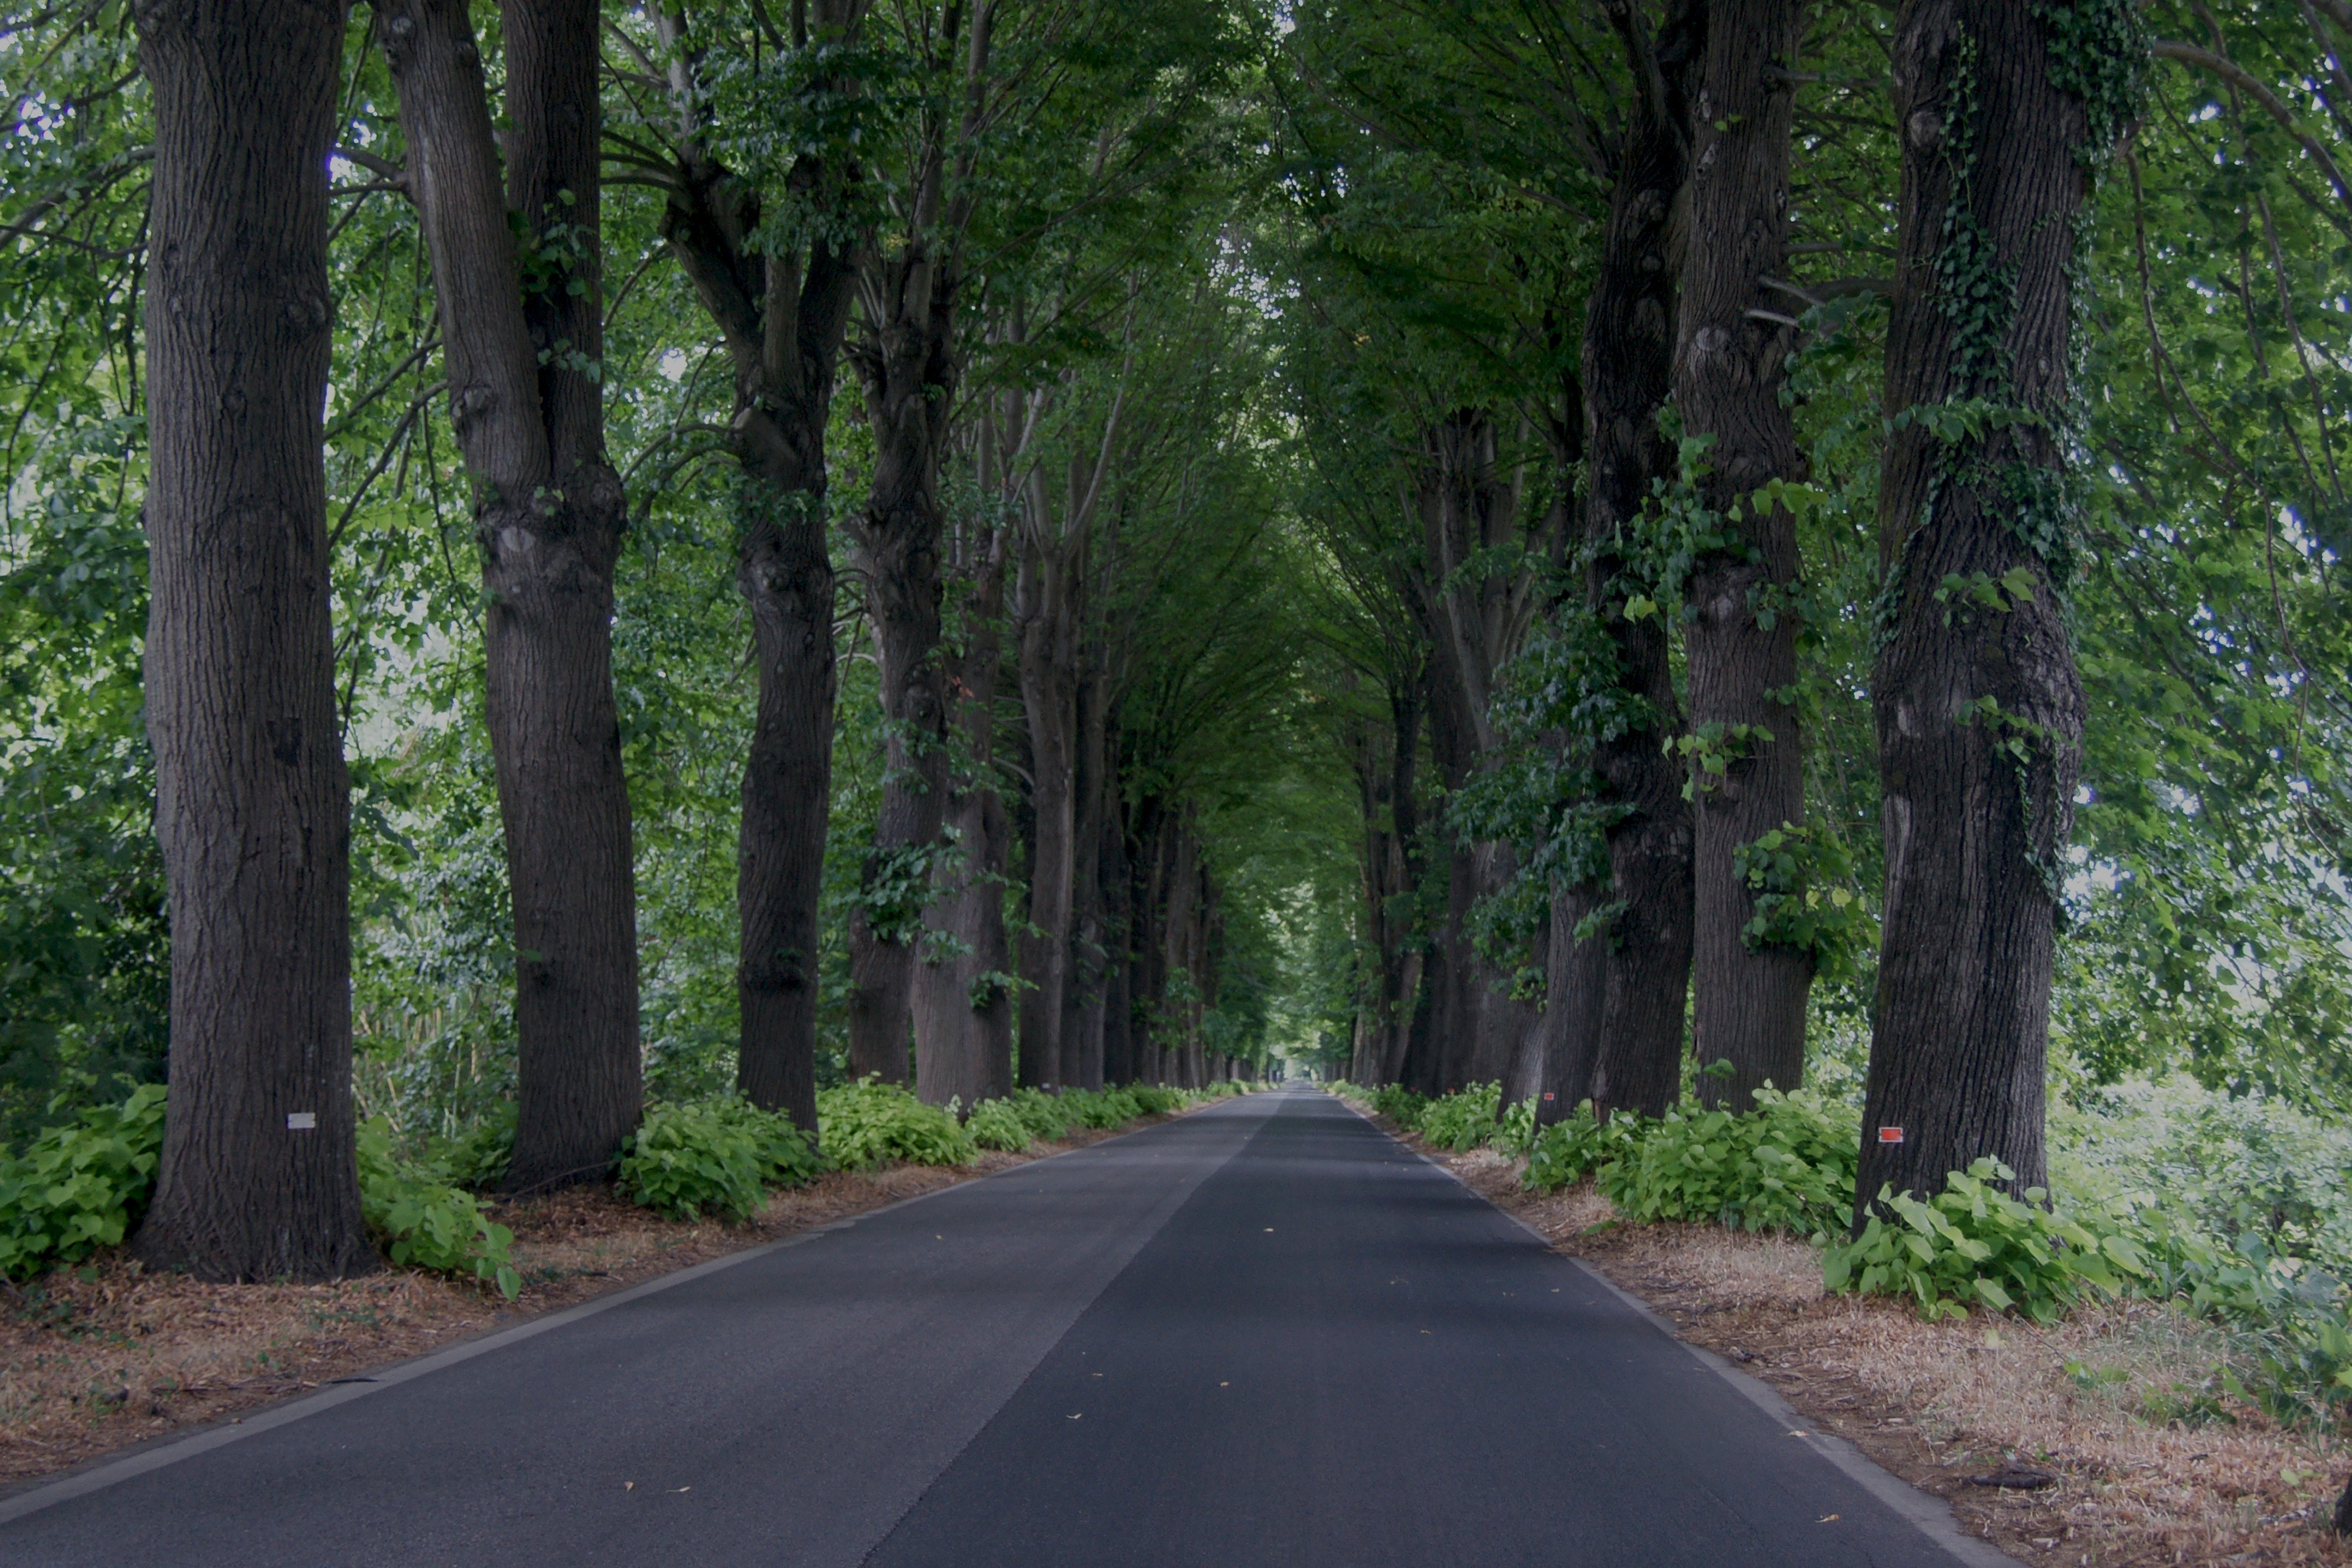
108	1354
2148	1462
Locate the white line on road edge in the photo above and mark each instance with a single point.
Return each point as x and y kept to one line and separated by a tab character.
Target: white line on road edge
172	1451
1929	1514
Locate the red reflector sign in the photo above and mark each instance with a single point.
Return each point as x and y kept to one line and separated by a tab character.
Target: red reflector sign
1552	1097
1890	1135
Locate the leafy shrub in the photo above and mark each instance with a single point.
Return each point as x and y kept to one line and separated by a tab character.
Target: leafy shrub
1514	1133
78	1184
996	1124
1045	1115
1973	1243
1400	1105
1464	1119
477	1159
1566	1152
1154	1099
717	1154
424	1222
1786	1165
1104	1109
866	1123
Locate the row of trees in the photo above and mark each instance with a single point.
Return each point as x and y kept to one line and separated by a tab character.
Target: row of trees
1781	468
705	550
937	292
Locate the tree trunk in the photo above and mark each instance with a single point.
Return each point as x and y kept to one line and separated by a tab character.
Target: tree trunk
1049	697
525	401
908	372
253	802
1120	1063
1730	367
1629	335
962	1002
1980	711
782	317
1082	998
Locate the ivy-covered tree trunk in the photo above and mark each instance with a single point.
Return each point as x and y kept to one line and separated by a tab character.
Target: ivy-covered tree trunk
1645	923
253	802
524	340
963	1000
2006	108
782	315
1735	324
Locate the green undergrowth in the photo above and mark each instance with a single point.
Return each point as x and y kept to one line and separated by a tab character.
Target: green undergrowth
2236	1209
81	1185
720	1156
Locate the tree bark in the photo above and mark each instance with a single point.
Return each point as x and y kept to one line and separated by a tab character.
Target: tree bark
1082	998
1729	370
908	370
782	317
1629	335
253	802
962	1003
1980	711
1120	1061
1048	657
526	402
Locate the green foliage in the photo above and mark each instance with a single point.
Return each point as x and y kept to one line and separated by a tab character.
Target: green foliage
717	1154
1464	1119
869	1122
1400	1105
996	1124
79	1184
1974	1244
1798	883
1571	1148
424	1222
1514	1131
1155	1100
477	1159
1788	1165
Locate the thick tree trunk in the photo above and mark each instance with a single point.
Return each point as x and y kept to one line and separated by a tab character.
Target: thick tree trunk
1049	697
910	373
787	582
1629	335
781	317
253	804
1980	711
526	402
963	1010
1454	751
1730	366
1506	1026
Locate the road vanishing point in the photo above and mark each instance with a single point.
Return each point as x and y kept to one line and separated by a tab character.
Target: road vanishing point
1262	1334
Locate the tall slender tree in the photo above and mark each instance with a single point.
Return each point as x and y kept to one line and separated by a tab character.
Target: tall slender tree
775	270
522	330
2006	108
253	804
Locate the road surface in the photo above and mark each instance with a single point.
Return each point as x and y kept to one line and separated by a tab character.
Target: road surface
1261	1334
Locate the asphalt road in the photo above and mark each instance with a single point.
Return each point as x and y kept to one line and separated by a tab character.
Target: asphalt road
1262	1334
